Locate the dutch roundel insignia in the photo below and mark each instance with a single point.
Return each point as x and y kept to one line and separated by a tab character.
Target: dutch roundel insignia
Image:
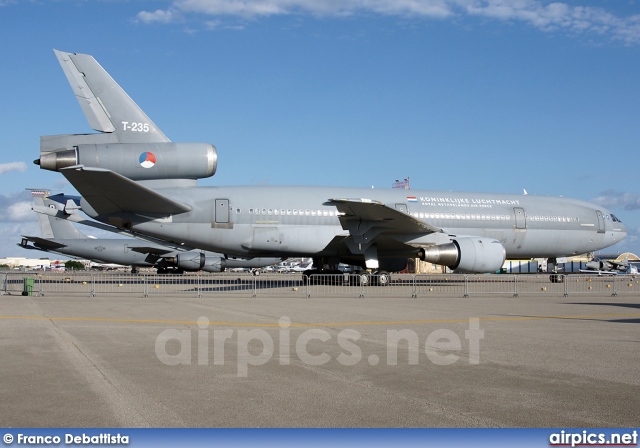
147	159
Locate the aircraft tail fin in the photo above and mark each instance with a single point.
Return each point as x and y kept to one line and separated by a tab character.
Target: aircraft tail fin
105	104
52	227
45	226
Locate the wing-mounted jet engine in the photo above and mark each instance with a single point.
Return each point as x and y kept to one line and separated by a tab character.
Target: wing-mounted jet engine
196	260
467	254
366	218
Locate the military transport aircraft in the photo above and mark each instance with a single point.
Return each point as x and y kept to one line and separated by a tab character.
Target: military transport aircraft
132	176
60	236
610	267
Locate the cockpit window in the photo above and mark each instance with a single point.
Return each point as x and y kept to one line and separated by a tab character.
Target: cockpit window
615	218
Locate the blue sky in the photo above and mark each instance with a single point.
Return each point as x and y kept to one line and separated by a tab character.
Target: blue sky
475	95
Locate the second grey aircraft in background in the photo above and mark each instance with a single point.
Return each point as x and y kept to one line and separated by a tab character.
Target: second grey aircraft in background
60	236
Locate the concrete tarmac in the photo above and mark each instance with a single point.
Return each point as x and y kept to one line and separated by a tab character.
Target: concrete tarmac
279	361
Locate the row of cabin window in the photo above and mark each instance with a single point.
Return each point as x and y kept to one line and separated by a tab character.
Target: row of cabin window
301	212
289	212
462	216
493	217
480	217
554	218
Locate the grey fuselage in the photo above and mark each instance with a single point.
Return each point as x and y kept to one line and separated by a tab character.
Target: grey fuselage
470	232
104	250
122	251
294	221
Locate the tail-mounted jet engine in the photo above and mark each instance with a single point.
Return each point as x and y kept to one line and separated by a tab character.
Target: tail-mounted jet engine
467	255
137	161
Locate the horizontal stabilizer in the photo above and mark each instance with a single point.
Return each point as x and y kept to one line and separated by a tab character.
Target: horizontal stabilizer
108	192
42	242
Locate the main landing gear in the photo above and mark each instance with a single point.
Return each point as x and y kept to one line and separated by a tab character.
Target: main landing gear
170	270
376	278
363	278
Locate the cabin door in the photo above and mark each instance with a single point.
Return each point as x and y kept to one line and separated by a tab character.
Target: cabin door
521	219
222	211
600	221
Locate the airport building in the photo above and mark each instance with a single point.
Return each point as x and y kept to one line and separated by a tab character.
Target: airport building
414	265
570	264
34	263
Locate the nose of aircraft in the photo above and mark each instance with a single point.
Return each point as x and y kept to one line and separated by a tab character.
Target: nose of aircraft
622	231
623	228
619	231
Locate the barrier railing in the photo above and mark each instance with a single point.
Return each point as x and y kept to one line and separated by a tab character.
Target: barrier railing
352	285
440	284
543	284
3	283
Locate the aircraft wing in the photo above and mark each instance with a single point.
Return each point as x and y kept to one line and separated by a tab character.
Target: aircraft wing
379	215
620	265
152	250
42	242
597	272
109	192
75	217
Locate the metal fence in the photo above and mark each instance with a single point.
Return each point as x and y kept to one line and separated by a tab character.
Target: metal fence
401	285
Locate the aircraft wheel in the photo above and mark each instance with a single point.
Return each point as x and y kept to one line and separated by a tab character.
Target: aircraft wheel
364	278
556	278
384	278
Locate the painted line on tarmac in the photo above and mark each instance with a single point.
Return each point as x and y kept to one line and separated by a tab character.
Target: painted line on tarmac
324	324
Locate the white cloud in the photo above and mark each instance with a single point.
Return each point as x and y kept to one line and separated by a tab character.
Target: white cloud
10	235
546	16
554	16
61	184
12	166
16	208
257	8
218	24
20	211
616	199
157	16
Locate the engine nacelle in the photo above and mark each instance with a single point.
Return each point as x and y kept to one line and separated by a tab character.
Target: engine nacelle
138	161
197	261
469	255
214	264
